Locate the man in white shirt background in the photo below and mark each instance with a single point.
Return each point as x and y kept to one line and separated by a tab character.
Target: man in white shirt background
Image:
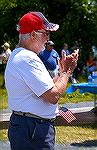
4	56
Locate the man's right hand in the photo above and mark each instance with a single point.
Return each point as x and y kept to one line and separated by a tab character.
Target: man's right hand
67	64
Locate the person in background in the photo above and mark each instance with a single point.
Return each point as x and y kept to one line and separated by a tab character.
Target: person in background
32	94
6	52
65	49
91	64
4	58
49	57
1	52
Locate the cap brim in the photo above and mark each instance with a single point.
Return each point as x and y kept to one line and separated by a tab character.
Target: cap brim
50	43
48	26
51	27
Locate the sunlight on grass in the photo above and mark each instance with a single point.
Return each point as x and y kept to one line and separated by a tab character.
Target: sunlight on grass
3	134
76	97
67	134
3	99
3	95
71	134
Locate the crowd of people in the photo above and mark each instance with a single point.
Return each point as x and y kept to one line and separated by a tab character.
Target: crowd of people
50	57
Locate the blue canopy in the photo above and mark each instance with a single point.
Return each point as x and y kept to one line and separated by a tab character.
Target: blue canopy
83	87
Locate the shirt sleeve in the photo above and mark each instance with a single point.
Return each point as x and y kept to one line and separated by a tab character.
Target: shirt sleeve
56	54
35	75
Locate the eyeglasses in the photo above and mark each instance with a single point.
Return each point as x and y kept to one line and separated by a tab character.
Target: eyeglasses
47	33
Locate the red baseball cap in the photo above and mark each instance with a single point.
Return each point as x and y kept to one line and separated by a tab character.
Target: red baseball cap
35	21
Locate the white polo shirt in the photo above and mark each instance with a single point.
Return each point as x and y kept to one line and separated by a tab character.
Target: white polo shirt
26	79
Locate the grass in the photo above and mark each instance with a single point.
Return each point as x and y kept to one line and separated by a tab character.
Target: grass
76	97
3	95
3	135
64	134
68	134
78	134
3	99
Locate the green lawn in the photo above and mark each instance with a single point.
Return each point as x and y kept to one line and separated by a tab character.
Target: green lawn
3	99
75	134
3	95
68	134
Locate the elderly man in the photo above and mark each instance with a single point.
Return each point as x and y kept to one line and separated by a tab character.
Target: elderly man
32	94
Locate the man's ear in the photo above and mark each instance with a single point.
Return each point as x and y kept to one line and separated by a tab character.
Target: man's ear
33	35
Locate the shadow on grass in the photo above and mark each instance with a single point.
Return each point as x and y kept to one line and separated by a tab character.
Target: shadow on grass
87	143
91	126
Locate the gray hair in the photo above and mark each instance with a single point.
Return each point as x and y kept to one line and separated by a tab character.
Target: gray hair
24	36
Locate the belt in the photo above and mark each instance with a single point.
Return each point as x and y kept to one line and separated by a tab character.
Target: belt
33	116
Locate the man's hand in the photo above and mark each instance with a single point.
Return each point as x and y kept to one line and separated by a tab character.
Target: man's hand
67	64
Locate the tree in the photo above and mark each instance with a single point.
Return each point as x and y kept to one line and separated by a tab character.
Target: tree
10	13
77	20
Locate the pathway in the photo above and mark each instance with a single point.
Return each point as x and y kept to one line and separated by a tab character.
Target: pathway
76	146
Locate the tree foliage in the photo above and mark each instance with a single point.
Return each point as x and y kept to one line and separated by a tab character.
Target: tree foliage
77	20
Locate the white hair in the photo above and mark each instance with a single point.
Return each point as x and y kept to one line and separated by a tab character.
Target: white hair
24	36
